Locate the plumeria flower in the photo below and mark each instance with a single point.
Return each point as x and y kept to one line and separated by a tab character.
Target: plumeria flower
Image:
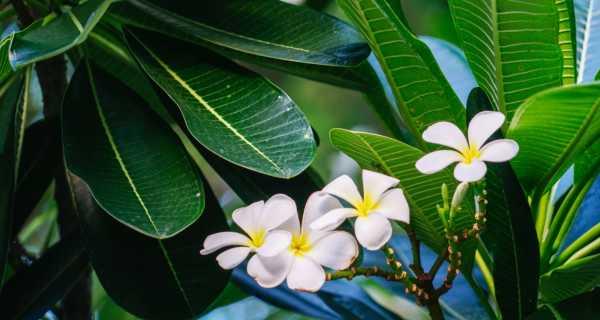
259	221
470	154
302	263
372	210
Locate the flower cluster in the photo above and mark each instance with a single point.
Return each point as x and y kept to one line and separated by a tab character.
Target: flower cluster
288	249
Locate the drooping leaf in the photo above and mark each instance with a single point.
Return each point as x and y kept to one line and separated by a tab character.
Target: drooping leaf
39	160
583	306
134	164
512	47
303	36
34	290
587	14
155	278
422	94
551	128
233	112
397	159
570	279
510	235
11	124
50	36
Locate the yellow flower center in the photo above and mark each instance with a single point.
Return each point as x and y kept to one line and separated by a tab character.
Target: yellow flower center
300	244
257	238
366	206
470	154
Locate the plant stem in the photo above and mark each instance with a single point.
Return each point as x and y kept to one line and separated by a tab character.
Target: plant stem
435	310
362	271
438	263
416	250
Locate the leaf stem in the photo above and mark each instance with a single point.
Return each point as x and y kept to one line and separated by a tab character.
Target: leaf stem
585	244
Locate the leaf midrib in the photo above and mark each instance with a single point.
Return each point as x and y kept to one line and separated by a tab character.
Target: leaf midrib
116	150
210	109
498	60
175	276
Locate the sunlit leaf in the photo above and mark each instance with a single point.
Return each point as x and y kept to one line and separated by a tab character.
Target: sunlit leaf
511	46
587	14
136	167
422	94
233	112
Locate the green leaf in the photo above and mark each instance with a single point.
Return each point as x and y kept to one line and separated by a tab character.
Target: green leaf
583	306
397	159
567	39
156	278
551	128
510	235
265	28
233	112
35	289
11	124
512	47
587	13
422	94
50	36
573	278
137	169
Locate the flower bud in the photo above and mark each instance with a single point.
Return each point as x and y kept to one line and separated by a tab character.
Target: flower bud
459	195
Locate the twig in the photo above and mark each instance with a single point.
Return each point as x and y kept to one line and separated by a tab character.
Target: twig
438	263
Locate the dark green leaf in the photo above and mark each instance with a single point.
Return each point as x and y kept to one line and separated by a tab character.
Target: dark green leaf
422	94
50	36
35	289
551	128
10	127
266	28
583	306
570	279
510	235
233	112
156	278
135	165
512	47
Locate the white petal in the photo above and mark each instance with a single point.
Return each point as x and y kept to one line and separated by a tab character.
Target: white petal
472	172
437	160
343	187
278	209
292	225
333	219
318	204
499	150
269	272
337	250
446	134
393	205
276	241
248	217
483	125
375	184
306	275
231	258
220	240
373	231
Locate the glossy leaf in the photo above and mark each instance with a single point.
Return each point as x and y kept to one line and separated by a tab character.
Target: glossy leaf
134	164
11	124
34	290
156	278
422	94
511	46
304	36
233	112
567	38
50	36
397	159
587	14
583	306
551	128
510	235
570	279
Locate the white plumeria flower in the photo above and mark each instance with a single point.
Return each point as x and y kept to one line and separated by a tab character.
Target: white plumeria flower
372	210
259	221
309	250
470	154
